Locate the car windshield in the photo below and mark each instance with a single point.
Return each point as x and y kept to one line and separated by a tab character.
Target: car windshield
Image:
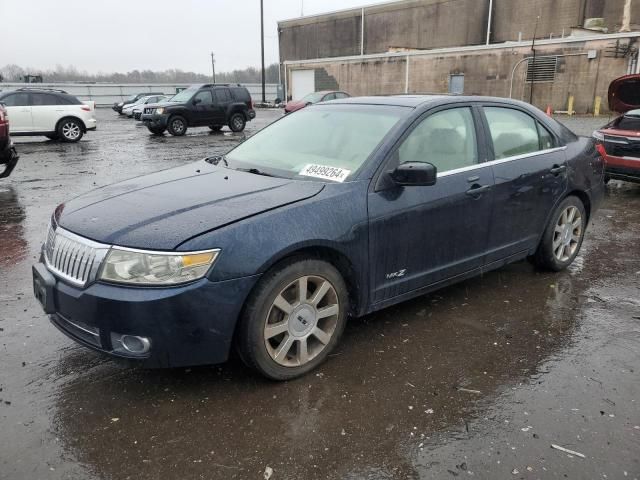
185	95
322	141
313	97
629	121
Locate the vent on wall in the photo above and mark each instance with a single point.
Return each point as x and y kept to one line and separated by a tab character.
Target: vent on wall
542	69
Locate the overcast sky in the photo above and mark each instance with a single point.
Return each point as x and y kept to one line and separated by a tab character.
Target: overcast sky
118	35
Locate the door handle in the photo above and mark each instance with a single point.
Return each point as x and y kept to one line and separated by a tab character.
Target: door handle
558	169
477	190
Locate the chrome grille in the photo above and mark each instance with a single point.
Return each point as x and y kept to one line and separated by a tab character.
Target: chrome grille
149	110
73	258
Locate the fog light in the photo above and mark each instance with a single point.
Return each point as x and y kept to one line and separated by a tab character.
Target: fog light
130	344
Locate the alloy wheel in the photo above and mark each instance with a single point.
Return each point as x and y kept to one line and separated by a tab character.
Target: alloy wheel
301	321
567	234
71	130
177	126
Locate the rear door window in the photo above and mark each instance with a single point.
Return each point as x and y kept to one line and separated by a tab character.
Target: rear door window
205	97
446	139
223	95
42	99
546	139
513	132
241	94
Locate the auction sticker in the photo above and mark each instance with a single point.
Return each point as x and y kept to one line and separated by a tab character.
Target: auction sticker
322	171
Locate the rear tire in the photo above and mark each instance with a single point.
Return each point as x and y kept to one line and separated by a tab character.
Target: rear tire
293	319
237	122
177	126
563	236
70	130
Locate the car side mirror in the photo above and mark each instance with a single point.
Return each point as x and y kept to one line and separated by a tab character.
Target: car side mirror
410	174
196	101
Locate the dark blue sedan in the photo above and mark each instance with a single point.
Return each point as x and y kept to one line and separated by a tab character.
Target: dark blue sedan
337	210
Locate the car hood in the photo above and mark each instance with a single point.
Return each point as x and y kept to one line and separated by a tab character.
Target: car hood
624	93
295	105
162	210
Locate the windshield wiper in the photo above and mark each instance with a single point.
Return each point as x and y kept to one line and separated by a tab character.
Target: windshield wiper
215	160
255	171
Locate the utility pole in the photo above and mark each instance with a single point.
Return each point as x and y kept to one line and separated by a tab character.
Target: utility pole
264	99
213	67
533	65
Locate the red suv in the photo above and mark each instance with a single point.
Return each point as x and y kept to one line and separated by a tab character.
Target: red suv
619	141
8	155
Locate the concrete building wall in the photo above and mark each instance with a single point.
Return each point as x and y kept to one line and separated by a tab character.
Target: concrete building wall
512	17
427	24
486	72
417	24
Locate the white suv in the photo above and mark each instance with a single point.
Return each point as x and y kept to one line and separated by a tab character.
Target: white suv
52	113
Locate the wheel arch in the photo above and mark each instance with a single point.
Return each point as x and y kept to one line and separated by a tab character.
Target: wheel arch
584	198
73	117
331	255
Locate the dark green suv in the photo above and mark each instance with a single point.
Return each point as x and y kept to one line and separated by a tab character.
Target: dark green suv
210	105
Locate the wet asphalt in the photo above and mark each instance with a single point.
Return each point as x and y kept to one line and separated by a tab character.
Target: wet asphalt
476	380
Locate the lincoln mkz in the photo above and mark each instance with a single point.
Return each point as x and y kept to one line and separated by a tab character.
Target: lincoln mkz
335	211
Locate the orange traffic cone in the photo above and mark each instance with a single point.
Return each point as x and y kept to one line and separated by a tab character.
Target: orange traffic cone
549	111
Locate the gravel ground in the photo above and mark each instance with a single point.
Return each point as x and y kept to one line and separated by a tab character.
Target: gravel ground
478	379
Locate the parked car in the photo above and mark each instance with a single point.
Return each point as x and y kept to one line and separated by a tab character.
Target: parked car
312	98
137	111
339	210
8	155
118	106
212	105
51	113
128	109
619	140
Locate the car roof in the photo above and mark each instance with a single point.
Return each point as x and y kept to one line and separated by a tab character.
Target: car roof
419	100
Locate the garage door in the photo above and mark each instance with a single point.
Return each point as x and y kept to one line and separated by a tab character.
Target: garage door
303	82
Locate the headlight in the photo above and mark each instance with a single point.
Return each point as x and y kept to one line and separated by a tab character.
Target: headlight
160	111
140	267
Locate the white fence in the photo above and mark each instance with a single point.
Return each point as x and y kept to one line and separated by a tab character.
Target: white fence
108	93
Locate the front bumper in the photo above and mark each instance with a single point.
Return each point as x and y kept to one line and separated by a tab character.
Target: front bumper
623	168
187	325
155	120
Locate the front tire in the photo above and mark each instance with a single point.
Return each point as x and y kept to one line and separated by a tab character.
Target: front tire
177	126
237	122
293	319
563	236
70	130
156	130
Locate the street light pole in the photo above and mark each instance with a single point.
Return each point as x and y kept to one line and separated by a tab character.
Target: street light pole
213	67
262	46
